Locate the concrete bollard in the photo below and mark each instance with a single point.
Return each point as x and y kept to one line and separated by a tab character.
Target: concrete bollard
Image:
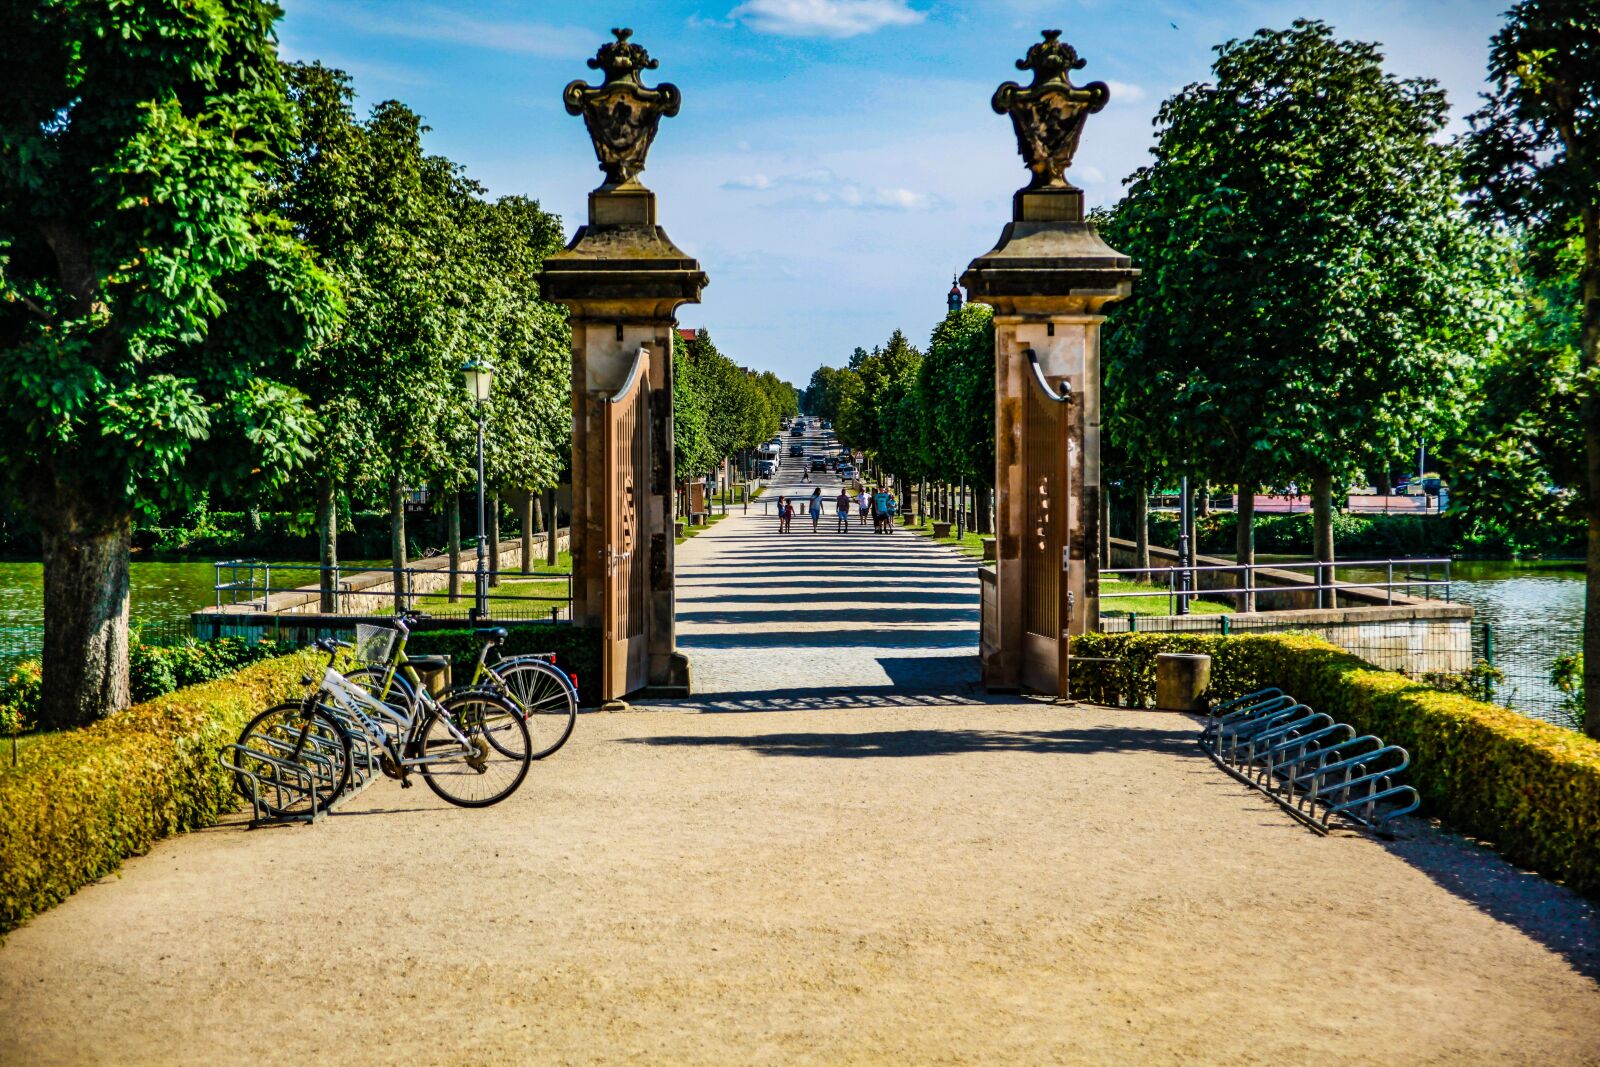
941	529
989	549
1180	679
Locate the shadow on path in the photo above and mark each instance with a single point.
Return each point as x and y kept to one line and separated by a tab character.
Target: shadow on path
966	637
902	743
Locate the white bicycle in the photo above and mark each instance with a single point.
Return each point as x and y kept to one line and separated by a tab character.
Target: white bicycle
472	748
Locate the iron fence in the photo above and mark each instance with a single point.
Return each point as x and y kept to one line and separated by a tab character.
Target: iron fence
1513	667
1182	584
284	588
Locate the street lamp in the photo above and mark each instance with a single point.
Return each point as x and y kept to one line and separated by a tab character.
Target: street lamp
477	376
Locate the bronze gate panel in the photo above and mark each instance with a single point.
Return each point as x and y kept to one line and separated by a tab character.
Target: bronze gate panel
1045	480
624	650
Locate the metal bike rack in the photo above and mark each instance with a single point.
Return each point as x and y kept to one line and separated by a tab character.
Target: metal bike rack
1313	767
300	781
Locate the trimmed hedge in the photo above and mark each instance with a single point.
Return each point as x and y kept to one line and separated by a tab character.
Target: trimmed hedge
577	650
1529	787
81	801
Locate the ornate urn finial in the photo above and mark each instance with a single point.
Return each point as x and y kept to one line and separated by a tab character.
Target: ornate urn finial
621	114
1049	114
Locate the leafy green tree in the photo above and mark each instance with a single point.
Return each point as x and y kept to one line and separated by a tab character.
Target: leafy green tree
1313	294
1535	151
957	391
150	304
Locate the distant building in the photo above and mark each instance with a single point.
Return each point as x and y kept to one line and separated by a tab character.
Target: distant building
954	301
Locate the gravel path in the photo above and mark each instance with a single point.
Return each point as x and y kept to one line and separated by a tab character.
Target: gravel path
826	870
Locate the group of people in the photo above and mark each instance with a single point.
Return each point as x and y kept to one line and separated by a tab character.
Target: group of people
879	507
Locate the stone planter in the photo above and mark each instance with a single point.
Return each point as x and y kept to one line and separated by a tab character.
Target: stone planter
1180	679
941	529
989	549
677	530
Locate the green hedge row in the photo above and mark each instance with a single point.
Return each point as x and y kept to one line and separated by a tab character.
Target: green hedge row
1530	788
577	650
81	801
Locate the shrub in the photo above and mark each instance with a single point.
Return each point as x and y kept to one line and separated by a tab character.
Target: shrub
577	650
19	696
1531	788
81	801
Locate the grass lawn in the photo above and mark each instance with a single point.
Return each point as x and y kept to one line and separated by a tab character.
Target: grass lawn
711	520
512	583
1157	603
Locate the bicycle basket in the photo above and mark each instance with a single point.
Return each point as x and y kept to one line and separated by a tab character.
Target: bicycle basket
374	644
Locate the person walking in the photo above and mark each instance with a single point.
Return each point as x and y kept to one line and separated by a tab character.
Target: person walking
816	507
864	502
880	511
785	513
842	506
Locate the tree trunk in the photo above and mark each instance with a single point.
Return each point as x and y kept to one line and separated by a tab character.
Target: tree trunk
494	540
1322	535
985	526
529	503
85	656
1203	499
328	544
252	520
1589	347
1245	544
397	539
453	546
552	528
1141	531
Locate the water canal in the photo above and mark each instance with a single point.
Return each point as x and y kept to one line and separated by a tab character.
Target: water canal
1535	610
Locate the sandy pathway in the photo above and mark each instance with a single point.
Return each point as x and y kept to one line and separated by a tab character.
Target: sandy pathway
840	852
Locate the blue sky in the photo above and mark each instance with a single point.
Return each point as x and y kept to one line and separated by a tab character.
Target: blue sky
835	161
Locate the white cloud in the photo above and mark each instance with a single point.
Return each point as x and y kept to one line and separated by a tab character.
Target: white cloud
823	188
1124	92
825	18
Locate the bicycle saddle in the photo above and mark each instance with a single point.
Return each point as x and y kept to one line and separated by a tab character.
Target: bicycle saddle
495	634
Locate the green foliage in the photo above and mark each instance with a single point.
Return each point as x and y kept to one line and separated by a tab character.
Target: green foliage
1566	674
1374	535
956	390
1312	296
82	801
576	648
1478	681
1531	788
154	670
152	307
721	408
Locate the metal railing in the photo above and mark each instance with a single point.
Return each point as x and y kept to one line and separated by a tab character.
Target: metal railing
1185	582
300	588
1314	767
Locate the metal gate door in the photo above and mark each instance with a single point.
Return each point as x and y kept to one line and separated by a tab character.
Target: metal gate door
627	426
1044	556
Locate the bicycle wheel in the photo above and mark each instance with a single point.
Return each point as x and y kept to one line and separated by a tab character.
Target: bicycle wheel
484	773
297	760
548	698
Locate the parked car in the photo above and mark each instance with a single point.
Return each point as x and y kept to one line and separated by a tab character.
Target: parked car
797	449
818	464
766	468
797	430
832	462
847	471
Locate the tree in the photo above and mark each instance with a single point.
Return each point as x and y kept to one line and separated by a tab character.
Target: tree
150	305
957	391
1535	151
1313	295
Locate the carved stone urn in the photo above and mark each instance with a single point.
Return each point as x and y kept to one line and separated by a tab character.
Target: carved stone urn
622	115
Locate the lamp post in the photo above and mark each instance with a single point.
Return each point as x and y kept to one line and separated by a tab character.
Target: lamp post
477	375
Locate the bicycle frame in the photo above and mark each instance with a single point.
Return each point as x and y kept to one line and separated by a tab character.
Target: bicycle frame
356	702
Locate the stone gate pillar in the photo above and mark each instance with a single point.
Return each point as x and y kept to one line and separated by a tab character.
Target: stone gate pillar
1047	279
623	279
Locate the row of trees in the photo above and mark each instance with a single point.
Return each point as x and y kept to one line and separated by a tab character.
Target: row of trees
920	417
217	278
1325	282
721	409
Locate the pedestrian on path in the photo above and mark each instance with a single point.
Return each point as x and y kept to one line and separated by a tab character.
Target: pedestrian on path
785	514
864	502
816	507
880	512
842	506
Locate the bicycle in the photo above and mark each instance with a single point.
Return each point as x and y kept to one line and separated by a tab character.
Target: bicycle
546	695
472	748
